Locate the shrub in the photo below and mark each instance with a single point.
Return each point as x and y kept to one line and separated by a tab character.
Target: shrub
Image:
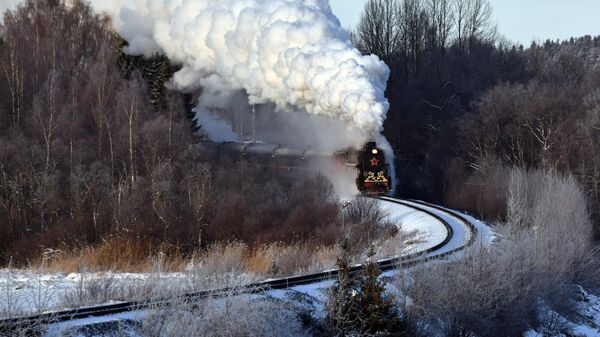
234	315
544	250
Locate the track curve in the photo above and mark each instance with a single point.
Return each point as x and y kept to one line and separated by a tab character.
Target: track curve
439	251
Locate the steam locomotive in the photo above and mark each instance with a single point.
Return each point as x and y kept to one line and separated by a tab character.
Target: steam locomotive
372	171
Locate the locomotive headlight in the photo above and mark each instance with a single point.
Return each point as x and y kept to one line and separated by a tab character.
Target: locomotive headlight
374	151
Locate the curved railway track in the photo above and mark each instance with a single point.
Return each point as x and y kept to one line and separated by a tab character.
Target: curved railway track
438	251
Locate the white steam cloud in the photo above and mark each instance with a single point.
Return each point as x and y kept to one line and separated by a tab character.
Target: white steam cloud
292	53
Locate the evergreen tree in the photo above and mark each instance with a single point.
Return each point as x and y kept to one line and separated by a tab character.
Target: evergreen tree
156	71
343	312
378	314
357	304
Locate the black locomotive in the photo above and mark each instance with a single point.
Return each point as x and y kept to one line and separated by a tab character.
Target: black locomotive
372	170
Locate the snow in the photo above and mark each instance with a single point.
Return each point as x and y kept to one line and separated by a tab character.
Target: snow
584	323
485	233
60	329
430	231
584	330
589	310
26	291
461	233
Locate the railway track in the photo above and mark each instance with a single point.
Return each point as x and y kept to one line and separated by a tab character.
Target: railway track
439	251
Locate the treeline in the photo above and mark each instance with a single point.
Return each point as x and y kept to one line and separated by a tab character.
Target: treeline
464	99
93	147
549	122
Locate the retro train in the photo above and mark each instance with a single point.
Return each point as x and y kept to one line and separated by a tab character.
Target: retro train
372	170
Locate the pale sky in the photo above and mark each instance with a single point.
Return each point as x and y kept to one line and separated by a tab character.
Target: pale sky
518	20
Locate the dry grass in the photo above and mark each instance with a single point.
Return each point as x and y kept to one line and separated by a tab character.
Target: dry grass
274	259
278	259
124	255
221	265
126	252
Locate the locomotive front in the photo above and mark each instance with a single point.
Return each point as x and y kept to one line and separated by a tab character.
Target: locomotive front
373	172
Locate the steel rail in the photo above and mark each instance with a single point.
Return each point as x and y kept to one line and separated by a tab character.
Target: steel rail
10	324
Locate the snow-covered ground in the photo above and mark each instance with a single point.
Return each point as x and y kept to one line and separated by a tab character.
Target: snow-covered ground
585	322
485	234
26	292
429	231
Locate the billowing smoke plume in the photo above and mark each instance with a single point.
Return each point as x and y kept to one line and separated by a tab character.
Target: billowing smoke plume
292	53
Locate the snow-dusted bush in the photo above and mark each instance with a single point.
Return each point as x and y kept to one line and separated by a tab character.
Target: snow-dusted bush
11	303
550	210
235	315
544	249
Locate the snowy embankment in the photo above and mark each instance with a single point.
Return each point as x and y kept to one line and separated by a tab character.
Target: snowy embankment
429	231
23	291
26	292
462	234
584	322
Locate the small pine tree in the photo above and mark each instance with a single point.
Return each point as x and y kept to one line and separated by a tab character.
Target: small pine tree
343	316
274	269
378	314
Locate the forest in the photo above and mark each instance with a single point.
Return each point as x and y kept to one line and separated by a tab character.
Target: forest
101	164
93	143
94	149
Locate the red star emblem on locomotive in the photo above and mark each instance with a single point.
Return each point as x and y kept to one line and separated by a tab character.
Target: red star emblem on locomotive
374	162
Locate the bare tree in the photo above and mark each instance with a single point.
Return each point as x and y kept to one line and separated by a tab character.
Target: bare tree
13	66
129	106
441	15
378	29
45	113
101	84
473	22
414	24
